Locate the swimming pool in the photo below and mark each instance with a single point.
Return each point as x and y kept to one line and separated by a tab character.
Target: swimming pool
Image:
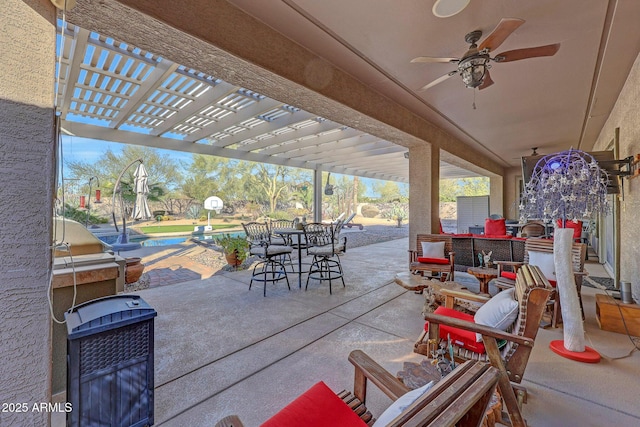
166	240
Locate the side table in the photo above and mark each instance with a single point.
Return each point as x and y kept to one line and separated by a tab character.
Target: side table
484	275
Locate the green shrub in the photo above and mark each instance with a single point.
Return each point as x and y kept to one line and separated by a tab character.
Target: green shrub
80	215
279	215
370	211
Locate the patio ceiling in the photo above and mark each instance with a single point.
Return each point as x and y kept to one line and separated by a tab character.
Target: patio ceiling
112	91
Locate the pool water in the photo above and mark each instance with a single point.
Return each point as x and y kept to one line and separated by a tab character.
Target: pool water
167	240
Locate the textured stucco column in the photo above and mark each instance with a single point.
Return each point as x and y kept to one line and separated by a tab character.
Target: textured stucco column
424	181
496	195
27	35
317	195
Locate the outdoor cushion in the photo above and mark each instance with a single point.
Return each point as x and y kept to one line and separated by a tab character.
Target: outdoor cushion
459	337
326	250
316	407
495	227
499	312
508	275
577	227
428	260
433	249
271	250
400	405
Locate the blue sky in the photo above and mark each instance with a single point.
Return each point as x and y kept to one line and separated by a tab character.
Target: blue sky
89	150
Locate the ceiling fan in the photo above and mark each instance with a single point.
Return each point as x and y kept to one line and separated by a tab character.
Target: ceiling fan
474	65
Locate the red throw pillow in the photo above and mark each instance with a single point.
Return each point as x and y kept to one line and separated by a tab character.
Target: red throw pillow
495	227
508	275
577	227
433	260
459	337
316	407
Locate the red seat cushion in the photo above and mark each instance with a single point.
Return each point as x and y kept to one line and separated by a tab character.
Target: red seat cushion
316	407
495	227
459	337
508	275
433	260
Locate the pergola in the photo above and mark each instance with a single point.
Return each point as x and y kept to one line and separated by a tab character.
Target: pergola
113	91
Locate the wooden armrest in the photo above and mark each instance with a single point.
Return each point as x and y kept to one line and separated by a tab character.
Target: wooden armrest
504	285
580	273
512	263
480	329
367	368
464	295
229	421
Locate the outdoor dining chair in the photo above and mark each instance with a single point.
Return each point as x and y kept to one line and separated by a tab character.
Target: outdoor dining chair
271	268
325	245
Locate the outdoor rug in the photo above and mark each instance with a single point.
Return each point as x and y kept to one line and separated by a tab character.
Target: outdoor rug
599	282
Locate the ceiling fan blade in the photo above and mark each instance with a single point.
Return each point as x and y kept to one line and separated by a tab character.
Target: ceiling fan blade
439	80
486	82
530	52
500	33
431	59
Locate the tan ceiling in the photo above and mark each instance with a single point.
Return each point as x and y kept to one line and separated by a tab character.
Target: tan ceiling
552	103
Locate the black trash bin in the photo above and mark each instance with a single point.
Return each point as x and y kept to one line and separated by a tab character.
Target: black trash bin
110	362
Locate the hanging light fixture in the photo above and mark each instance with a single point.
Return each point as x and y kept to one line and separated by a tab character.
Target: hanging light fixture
473	70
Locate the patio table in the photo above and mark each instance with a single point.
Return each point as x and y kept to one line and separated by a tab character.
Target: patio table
484	276
298	233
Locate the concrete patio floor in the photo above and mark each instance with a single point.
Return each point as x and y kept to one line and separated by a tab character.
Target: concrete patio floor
223	349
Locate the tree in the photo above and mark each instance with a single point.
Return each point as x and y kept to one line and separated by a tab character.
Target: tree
271	180
163	171
450	189
390	191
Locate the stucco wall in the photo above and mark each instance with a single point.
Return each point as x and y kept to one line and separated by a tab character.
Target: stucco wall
625	116
27	33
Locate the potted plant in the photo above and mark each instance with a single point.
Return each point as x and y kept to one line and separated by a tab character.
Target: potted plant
235	248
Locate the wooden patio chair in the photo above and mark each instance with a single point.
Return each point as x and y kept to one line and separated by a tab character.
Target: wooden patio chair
508	269
532	290
439	264
461	398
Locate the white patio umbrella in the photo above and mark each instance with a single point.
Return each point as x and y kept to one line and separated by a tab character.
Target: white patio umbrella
141	207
